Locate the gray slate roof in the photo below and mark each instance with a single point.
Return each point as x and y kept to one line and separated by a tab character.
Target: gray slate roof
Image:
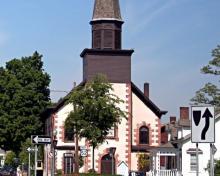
106	10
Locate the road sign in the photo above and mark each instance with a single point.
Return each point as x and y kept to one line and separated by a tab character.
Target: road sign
83	152
29	149
214	149
202	124
38	139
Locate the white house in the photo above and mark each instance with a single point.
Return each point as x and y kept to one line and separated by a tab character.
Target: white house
180	153
189	153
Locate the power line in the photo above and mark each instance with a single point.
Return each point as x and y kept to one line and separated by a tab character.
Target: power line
59	91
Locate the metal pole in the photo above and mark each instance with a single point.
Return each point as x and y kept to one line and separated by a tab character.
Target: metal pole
35	161
197	160
53	160
29	163
211	161
112	165
46	160
77	153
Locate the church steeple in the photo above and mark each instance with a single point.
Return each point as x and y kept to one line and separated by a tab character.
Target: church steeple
106	10
106	55
106	25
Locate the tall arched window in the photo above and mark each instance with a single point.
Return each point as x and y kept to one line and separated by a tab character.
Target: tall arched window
144	135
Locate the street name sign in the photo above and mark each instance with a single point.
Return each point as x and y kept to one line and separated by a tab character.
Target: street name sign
202	124
39	139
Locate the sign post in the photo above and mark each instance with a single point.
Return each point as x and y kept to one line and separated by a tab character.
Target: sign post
213	150
35	161
29	149
197	159
203	130
36	140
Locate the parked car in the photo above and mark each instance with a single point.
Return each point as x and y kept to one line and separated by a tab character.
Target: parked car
7	171
137	173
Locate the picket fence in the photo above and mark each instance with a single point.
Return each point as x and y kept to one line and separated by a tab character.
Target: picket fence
164	173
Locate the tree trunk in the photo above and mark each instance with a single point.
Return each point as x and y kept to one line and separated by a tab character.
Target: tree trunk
93	158
76	154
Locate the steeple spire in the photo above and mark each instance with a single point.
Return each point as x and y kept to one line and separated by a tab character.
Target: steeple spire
106	10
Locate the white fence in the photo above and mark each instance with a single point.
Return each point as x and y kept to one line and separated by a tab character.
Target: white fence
164	173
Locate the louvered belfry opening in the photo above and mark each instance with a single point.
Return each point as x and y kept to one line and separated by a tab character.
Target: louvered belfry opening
106	35
106	25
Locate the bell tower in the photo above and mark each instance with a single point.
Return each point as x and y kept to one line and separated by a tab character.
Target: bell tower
106	25
106	55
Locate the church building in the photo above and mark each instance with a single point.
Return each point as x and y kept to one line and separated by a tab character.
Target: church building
136	134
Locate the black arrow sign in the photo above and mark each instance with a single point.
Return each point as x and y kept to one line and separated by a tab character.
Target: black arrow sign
207	114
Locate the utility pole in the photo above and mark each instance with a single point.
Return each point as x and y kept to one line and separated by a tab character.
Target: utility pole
76	143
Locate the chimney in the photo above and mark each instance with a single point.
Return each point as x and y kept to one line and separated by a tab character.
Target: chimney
172	119
146	90
184	113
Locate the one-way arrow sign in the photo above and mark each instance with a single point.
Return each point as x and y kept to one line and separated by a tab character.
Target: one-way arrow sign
203	124
38	139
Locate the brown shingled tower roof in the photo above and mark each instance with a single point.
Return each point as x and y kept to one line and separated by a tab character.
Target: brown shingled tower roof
106	10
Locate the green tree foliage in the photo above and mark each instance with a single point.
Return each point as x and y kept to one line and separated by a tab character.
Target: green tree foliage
217	168
96	110
10	158
24	93
143	162
23	155
210	93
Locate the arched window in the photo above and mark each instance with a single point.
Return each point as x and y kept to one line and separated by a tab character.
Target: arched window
69	135
144	135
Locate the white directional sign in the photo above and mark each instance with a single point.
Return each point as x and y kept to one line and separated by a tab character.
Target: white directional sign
37	139
29	149
203	124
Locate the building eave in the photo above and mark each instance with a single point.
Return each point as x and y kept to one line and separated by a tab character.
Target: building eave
106	52
146	100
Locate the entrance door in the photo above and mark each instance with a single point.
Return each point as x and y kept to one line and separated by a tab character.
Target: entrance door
107	164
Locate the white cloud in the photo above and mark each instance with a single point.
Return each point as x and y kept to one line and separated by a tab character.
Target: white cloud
147	14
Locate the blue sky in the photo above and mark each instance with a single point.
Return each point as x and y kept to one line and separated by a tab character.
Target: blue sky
172	40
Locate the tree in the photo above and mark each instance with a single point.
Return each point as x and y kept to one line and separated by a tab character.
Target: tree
10	159
24	94
217	168
210	93
143	162
95	112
